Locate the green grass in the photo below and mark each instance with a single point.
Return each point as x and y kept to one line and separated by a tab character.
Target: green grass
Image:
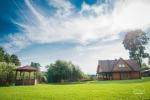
93	90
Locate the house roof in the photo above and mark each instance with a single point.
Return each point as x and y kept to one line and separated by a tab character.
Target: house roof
108	65
26	68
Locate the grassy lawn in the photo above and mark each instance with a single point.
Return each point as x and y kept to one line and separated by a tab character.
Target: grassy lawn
94	90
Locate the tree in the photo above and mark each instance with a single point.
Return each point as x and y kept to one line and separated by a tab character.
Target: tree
62	71
149	60
35	65
15	60
145	67
6	73
7	58
7	64
2	53
135	42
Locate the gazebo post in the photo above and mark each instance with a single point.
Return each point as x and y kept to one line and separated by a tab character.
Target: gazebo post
23	77
20	75
34	75
29	77
16	76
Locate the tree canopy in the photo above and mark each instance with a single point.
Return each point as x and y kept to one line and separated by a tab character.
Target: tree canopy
35	65
15	60
63	71
149	60
7	64
2	53
135	42
6	57
6	73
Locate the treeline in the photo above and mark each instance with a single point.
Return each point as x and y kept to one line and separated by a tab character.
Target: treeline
6	73
7	64
6	57
62	71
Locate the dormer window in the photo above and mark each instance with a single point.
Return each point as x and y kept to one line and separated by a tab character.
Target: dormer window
121	65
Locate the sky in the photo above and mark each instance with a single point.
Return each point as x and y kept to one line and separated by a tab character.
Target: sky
80	31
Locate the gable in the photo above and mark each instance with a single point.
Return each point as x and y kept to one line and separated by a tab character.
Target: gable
121	65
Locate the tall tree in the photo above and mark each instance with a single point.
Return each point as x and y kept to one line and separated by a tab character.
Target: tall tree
15	60
135	42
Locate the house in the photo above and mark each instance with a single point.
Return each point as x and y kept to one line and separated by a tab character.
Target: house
118	69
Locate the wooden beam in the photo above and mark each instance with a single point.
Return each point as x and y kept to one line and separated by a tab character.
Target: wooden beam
23	78
29	78
16	76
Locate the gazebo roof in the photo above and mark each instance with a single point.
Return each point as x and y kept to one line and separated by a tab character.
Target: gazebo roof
26	68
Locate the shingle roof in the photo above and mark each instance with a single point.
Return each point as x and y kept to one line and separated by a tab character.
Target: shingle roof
26	68
133	64
108	65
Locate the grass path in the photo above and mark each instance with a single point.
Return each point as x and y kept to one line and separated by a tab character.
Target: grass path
94	90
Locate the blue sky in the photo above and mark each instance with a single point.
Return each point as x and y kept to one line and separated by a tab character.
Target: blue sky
81	31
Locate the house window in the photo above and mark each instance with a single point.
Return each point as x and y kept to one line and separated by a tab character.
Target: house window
121	65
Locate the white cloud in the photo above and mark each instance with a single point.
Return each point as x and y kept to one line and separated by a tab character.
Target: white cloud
132	14
92	24
65	7
86	57
16	42
66	24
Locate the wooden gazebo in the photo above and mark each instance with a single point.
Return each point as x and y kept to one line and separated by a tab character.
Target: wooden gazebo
26	75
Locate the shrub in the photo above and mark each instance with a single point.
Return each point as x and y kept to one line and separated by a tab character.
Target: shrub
62	71
6	73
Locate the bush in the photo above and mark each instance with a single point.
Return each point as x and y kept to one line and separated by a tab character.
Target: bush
6	73
62	71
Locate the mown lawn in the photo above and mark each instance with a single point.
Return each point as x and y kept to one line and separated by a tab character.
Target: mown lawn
94	90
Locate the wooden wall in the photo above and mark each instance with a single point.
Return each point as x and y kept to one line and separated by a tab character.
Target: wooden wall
130	75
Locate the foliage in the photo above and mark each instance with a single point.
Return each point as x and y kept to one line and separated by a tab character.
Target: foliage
135	42
5	57
145	67
15	60
2	54
40	75
63	71
149	60
35	65
43	78
7	64
94	90
6	73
